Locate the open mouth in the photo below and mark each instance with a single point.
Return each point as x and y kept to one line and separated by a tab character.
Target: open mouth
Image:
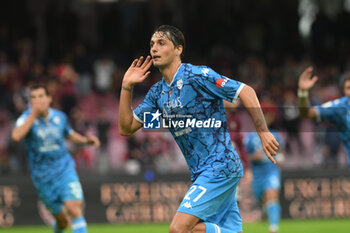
156	57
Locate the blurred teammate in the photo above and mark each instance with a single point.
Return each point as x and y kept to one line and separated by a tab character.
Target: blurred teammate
52	167
197	91
266	176
336	111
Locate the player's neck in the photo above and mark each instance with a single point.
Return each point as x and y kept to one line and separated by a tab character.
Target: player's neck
169	71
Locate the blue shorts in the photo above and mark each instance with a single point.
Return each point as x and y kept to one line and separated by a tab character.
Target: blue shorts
264	181
213	200
61	189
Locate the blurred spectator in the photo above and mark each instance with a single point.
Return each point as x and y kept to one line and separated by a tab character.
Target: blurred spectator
291	123
103	126
68	78
104	69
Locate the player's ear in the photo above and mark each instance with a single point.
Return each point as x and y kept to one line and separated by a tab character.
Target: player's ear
179	50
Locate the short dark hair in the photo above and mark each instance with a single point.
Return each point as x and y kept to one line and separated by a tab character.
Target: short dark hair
173	34
40	86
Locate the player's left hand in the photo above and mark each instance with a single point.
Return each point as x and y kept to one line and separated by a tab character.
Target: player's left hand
270	145
93	140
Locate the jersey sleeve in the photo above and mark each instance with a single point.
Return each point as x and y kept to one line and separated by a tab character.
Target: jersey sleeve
20	121
67	129
218	85
148	105
330	111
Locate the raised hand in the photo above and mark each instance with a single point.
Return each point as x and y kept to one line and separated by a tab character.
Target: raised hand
37	108
306	80
137	72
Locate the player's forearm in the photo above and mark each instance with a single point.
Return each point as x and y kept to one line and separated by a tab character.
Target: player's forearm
125	112
304	107
303	103
20	132
78	138
251	103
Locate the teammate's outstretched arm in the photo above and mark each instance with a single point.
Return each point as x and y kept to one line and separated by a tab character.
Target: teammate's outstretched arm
137	73
251	103
88	140
306	81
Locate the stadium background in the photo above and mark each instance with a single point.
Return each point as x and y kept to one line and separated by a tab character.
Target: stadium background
81	49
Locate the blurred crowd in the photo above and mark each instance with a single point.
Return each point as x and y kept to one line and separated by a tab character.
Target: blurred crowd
88	91
85	83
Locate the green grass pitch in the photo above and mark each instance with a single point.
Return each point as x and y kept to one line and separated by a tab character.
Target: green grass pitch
287	226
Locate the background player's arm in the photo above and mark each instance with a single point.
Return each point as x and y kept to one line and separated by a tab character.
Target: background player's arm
19	132
251	103
136	73
306	81
257	156
80	139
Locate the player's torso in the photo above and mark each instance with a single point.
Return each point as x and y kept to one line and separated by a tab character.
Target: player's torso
203	144
341	114
46	149
183	99
47	134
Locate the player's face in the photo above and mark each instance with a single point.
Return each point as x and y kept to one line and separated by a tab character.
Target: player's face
40	100
347	88
163	51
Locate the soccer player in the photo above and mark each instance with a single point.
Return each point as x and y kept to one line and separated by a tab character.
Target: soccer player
266	176
335	111
196	92
44	130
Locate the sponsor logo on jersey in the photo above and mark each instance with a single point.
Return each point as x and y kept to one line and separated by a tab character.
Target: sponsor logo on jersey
187	205
177	121
151	120
221	82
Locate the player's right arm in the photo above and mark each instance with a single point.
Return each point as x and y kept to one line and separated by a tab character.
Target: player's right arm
22	128
137	73
306	81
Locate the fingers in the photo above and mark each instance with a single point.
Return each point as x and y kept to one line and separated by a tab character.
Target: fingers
271	150
133	64
143	64
93	140
139	61
149	64
269	156
145	75
308	70
146	63
275	145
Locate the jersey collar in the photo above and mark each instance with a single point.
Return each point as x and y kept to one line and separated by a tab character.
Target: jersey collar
49	115
175	75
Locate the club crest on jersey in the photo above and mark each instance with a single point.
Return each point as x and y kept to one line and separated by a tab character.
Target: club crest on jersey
56	120
179	84
221	82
